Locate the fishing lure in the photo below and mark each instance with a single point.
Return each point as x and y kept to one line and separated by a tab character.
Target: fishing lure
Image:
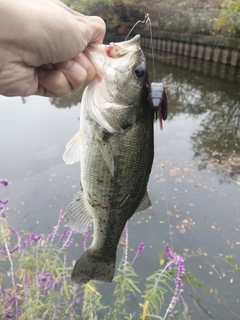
157	98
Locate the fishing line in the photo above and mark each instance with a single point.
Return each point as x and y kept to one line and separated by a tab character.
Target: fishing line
146	20
163	186
167	211
153	59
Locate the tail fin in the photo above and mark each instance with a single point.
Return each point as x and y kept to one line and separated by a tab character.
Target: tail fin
93	267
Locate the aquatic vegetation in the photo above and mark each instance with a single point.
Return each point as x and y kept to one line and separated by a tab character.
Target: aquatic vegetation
39	285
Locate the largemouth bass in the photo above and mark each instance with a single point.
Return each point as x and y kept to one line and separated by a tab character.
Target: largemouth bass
115	150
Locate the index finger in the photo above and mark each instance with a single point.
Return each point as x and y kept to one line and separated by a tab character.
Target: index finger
96	32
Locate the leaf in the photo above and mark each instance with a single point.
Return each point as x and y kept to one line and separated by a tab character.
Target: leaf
145	307
44	314
130	281
65	288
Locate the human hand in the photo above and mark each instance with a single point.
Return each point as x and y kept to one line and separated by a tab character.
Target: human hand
42	46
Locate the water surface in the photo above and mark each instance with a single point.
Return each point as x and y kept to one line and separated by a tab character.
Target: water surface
194	185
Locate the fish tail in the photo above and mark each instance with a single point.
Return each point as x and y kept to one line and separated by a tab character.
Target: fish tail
93	267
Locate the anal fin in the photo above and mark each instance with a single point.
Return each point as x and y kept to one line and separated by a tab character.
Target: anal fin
76	215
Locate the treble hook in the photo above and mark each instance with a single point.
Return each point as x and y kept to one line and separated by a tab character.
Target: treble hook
146	20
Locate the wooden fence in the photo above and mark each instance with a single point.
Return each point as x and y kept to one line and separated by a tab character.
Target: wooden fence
207	52
218	54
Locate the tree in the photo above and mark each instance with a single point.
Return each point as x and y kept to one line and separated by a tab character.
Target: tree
228	22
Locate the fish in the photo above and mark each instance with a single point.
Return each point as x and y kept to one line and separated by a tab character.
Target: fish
115	147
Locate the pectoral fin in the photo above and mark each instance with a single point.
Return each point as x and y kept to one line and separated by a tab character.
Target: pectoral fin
145	203
107	154
76	215
72	152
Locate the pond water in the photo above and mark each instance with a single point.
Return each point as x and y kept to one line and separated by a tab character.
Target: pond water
194	185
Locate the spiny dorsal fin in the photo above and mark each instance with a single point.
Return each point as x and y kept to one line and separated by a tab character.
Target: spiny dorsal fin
76	215
72	152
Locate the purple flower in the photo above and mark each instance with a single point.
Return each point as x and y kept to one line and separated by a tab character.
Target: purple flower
46	282
69	239
140	249
4	215
3	183
85	239
77	300
3	204
63	235
19	245
14	250
178	261
52	235
31	237
9	315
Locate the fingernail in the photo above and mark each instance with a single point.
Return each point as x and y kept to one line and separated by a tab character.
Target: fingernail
64	65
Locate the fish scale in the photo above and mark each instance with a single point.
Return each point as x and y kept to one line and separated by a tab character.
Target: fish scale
132	173
116	150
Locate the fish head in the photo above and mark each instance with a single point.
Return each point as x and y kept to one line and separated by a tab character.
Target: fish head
121	69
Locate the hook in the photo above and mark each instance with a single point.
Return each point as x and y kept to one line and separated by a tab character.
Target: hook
146	20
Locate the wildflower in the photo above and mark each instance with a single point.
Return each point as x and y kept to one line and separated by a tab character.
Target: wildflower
69	240
3	204
31	237
85	239
9	315
52	235
179	262
46	282
63	235
126	244
76	301
3	183
18	237
140	249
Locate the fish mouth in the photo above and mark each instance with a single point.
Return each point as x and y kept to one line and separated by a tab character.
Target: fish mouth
119	49
99	54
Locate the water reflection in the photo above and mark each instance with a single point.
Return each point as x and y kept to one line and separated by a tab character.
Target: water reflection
69	101
208	68
216	140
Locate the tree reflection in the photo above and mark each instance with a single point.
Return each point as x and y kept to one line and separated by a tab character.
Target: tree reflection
216	142
67	102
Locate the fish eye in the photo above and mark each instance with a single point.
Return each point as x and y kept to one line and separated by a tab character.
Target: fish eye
139	72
